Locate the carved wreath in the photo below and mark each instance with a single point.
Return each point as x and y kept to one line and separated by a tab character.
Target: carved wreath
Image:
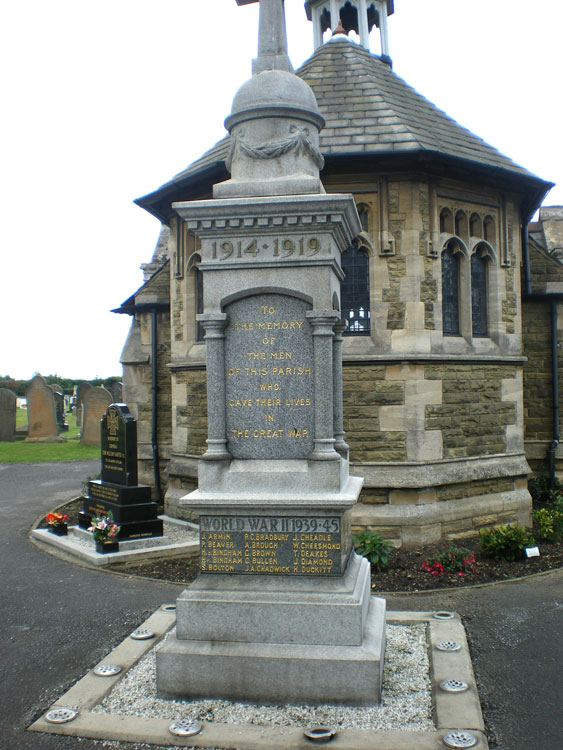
298	139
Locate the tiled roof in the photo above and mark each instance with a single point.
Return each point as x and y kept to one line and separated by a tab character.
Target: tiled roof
370	110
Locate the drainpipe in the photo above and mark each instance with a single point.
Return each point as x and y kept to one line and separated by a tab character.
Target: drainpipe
154	441
555	392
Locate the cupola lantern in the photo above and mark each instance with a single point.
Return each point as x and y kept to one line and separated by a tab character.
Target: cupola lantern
354	15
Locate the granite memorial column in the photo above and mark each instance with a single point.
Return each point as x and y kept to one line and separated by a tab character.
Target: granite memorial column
322	324
214	325
340	444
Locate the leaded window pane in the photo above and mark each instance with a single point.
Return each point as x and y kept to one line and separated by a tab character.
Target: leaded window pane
479	296
450	294
199	302
355	291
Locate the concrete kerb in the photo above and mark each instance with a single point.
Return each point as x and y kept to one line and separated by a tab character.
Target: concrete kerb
452	711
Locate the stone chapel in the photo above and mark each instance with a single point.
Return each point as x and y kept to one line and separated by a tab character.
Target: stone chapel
453	302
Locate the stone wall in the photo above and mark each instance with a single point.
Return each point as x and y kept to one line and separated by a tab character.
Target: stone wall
472	416
546	275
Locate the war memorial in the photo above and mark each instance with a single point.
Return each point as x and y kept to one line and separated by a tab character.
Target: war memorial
281	609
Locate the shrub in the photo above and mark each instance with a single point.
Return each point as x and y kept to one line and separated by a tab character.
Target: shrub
540	489
506	542
549	521
452	560
370	544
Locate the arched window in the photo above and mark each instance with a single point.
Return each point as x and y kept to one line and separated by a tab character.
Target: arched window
450	290
354	290
197	290
479	313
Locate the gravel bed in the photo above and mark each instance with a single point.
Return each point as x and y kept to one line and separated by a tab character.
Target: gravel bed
406	702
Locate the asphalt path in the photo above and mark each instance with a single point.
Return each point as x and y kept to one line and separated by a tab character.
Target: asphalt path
58	619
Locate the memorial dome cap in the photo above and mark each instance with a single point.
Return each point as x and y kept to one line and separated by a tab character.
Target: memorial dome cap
274	93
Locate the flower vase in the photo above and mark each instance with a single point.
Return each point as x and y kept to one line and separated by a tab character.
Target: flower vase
104	547
60	529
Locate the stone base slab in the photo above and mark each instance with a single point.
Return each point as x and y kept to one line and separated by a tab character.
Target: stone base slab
276	610
277	671
452	711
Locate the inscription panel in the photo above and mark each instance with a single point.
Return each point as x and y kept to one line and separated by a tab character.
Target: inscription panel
272	545
294	248
269	378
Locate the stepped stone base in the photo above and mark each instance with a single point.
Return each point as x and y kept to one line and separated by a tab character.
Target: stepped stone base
277	671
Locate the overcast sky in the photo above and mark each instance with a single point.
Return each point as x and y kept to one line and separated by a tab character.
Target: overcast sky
104	101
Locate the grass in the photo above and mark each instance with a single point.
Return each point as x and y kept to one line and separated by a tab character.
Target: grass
71	450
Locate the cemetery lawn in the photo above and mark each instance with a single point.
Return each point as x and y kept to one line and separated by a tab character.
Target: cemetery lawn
19	451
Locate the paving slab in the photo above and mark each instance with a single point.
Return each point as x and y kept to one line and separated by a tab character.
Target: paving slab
452	711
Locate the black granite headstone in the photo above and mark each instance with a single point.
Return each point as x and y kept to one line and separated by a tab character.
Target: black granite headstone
118	490
119	446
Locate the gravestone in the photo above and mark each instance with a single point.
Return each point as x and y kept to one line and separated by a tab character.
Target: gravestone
80	390
59	406
281	610
94	404
118	490
7	414
116	390
41	412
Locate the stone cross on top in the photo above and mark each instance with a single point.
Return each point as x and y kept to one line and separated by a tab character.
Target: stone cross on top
272	37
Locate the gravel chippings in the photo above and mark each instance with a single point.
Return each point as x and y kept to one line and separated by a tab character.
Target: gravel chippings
406	702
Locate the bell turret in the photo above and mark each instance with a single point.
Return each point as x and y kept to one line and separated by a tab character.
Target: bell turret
354	15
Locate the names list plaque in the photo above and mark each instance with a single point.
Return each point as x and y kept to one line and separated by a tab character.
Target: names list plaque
272	545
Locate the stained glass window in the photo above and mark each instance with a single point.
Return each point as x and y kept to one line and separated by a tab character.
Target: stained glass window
479	295
355	291
450	293
199	301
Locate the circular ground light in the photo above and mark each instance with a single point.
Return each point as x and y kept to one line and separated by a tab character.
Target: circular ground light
448	646
142	634
185	728
60	715
169	607
442	615
320	734
459	739
107	670
454	686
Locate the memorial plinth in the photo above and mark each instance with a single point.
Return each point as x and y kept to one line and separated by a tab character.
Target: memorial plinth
118	491
281	610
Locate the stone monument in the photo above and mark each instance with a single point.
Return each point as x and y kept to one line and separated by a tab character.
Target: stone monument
80	390
7	415
59	406
41	412
94	404
118	489
281	610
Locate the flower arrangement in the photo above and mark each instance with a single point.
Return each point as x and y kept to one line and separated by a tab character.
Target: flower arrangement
56	519
104	529
456	560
